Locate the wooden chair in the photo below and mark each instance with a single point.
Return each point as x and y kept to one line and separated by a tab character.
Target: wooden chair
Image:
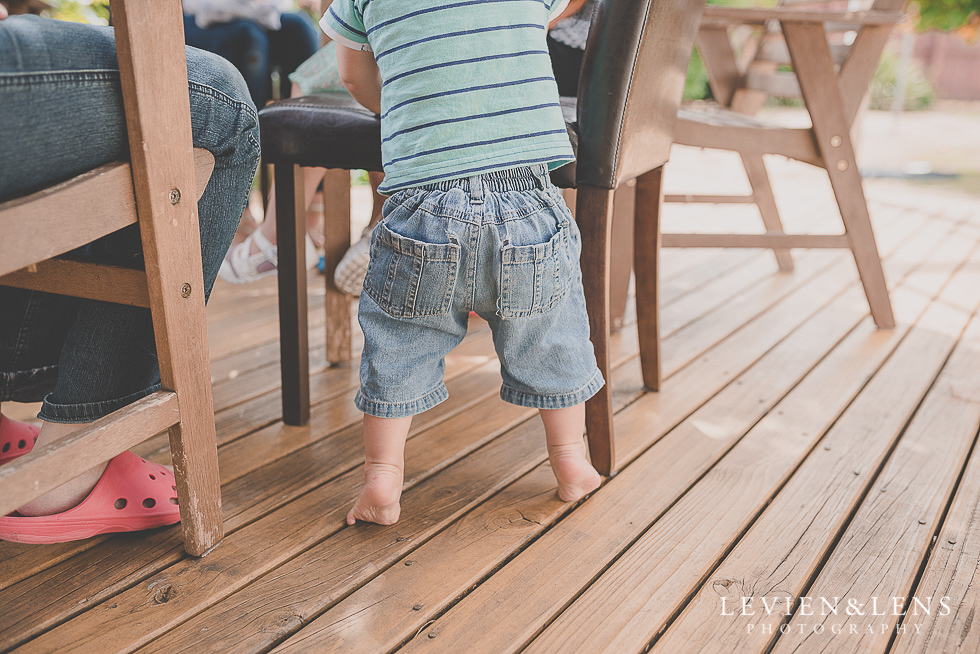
831	72
621	124
158	190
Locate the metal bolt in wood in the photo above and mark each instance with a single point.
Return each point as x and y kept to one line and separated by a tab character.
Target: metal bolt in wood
174	196
185	290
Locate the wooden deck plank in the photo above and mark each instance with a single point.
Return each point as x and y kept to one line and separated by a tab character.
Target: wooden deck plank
237	420
375	619
780	553
310	598
633	600
882	550
258	476
18	562
259	487
226	500
952	571
679	455
245	499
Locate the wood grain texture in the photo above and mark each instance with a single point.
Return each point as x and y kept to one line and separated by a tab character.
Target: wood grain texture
633	600
81	279
24	220
296	473
103	195
583	551
815	69
714	347
951	571
336	231
293	461
880	553
153	72
783	548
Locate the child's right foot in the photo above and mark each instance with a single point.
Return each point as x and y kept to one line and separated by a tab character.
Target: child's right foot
379	499
576	476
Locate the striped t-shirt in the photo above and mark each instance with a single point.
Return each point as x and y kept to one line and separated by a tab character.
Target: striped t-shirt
467	84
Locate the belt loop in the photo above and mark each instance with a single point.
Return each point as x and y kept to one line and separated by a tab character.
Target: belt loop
476	189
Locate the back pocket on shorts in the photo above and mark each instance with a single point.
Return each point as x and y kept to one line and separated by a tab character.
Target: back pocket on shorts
534	278
410	278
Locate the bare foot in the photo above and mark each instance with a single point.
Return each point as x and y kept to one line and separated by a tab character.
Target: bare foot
378	501
576	476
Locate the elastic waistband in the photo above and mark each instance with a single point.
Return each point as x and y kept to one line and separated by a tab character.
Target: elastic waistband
524	178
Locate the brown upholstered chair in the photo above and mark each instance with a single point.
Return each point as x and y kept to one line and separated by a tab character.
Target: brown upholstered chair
621	123
159	190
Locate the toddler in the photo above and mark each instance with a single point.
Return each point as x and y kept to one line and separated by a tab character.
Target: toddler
470	126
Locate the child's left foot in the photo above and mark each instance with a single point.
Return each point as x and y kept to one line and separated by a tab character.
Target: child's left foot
379	499
576	476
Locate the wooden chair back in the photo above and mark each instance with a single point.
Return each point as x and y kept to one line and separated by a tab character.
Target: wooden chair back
158	188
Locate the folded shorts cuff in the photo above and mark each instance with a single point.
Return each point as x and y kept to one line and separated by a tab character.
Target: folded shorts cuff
381	409
88	411
562	401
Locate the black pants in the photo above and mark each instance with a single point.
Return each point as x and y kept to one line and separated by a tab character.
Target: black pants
566	61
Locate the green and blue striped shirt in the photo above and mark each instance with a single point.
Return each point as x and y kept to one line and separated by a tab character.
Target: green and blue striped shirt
467	86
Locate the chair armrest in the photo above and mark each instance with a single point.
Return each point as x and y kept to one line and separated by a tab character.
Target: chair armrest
715	16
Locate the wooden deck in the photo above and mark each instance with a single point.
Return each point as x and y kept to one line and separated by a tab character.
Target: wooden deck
794	451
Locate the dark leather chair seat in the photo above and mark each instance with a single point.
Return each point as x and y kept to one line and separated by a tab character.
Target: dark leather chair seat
333	131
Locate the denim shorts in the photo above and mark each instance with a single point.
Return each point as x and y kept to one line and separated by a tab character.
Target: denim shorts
502	244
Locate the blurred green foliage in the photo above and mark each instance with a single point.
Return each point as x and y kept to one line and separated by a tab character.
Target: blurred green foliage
95	12
919	94
696	84
961	16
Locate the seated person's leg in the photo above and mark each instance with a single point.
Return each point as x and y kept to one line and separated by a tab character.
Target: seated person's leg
241	42
105	352
292	44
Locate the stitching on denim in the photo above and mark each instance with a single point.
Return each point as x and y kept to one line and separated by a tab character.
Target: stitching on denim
206	89
593	385
418	405
10	80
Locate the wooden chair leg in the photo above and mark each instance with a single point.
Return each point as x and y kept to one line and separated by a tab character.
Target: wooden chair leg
621	265
646	263
337	238
622	242
857	222
755	170
594	217
293	321
814	69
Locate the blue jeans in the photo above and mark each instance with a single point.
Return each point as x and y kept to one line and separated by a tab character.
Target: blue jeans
60	115
255	51
502	244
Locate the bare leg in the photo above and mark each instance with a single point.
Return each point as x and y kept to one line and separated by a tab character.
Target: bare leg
564	429
384	470
67	495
